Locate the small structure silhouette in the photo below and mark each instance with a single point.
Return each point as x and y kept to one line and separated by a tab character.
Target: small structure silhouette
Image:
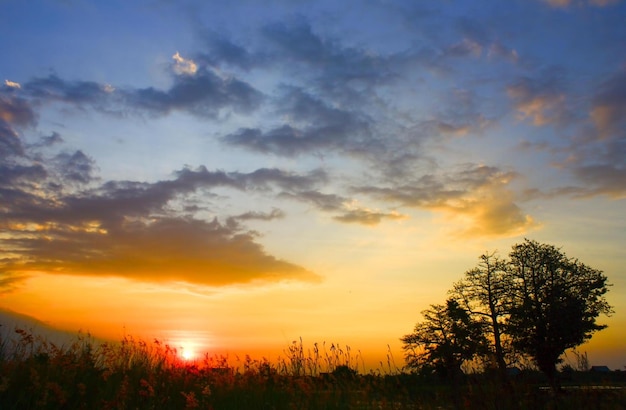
600	369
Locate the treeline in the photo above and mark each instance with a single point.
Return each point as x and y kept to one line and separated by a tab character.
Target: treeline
536	304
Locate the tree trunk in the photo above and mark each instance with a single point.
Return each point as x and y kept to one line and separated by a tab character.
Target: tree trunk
499	350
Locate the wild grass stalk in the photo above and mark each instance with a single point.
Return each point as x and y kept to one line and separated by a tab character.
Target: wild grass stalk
135	374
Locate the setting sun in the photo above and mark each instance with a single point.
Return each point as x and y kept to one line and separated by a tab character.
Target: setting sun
187	354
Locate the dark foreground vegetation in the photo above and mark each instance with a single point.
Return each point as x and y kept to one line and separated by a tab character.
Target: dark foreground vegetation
534	306
133	374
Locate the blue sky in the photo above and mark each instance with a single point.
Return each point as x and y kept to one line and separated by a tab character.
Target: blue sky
248	154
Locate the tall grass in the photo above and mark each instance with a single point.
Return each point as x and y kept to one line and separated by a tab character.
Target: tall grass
135	374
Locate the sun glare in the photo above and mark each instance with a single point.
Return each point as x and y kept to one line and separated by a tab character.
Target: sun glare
186	353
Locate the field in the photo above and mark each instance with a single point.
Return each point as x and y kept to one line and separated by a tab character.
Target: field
135	374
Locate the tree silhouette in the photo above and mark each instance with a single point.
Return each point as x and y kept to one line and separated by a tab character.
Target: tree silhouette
484	292
555	301
446	338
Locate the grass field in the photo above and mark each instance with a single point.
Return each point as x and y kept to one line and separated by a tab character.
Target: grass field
135	374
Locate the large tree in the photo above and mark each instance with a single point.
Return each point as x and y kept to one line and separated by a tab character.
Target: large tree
446	338
555	301
484	292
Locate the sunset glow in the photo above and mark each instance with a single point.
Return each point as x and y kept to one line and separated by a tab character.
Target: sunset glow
228	177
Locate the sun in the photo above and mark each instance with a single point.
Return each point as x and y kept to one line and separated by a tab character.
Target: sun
187	354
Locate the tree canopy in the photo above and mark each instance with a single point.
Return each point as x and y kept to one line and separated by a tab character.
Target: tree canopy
444	340
555	301
484	292
539	300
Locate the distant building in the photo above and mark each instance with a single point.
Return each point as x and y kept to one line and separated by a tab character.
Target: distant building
600	369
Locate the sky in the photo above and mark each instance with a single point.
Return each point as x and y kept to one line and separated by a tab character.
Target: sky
233	176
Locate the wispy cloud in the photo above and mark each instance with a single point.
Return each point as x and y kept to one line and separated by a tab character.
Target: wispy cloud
541	100
368	217
477	194
609	107
568	3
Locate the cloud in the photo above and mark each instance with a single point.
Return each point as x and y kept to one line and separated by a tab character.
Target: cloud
609	107
261	216
220	50
131	228
312	125
183	66
334	69
264	178
367	217
162	249
597	157
203	94
76	167
12	84
53	88
321	201
500	50
542	100
602	179
14	112
50	140
567	3
10	282
475	195
344	208
465	48
196	90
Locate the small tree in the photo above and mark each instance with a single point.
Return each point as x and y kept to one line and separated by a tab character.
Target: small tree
555	303
484	292
446	338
